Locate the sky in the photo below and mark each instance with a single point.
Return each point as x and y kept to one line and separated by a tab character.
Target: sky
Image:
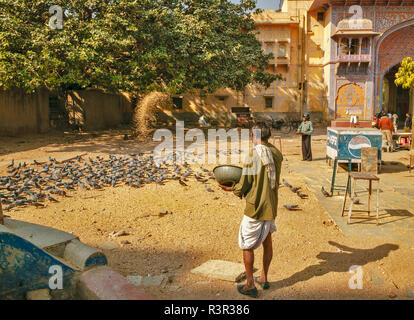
264	4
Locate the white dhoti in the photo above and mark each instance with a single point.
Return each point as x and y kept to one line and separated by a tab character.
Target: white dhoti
253	232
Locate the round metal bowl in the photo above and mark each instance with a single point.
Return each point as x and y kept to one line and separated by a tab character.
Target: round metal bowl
227	175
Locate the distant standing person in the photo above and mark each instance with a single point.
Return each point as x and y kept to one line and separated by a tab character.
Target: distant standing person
306	130
395	122
408	123
387	128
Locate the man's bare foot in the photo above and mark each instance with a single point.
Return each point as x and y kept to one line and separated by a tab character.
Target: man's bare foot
249	285
262	282
248	292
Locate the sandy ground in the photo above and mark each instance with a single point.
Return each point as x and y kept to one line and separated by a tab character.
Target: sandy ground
311	256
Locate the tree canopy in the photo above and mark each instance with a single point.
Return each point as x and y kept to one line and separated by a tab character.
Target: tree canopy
405	75
131	45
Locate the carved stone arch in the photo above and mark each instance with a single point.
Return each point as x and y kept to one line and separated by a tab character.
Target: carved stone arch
389	52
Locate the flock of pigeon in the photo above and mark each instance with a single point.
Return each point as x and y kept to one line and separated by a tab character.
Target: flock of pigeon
294	190
34	184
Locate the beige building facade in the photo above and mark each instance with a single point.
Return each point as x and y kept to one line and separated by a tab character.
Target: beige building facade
282	32
337	58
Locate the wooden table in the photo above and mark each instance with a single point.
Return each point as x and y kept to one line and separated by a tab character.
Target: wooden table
352	178
400	135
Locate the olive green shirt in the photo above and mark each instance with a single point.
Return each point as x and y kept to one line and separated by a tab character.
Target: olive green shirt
306	127
254	186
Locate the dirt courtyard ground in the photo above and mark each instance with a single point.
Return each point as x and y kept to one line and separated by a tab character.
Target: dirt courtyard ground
311	260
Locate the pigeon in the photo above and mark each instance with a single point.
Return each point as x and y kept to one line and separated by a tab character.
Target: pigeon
286	183
356	201
5	201
209	189
294	190
182	183
7	208
20	202
50	198
165	212
34	203
11	164
302	195
291	206
325	193
12	170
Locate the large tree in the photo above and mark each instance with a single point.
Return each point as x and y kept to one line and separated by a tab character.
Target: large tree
405	75
405	78
131	45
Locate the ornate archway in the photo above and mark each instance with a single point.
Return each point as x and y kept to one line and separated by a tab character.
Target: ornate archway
393	46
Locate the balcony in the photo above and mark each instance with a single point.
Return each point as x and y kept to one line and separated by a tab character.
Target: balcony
348	58
272	91
279	61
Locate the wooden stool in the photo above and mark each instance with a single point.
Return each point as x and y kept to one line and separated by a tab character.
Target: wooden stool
360	176
280	142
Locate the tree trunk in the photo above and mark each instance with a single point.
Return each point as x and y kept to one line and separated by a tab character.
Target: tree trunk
412	133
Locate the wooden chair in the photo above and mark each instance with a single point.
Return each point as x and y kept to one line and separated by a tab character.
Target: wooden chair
352	178
369	160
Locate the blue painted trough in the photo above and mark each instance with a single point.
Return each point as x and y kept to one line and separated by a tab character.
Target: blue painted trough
33	257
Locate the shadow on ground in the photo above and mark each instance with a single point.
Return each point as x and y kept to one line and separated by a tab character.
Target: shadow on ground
337	262
180	263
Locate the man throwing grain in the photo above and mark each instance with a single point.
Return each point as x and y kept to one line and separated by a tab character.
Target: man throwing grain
259	185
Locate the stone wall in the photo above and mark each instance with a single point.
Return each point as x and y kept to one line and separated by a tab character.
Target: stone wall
95	110
23	113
